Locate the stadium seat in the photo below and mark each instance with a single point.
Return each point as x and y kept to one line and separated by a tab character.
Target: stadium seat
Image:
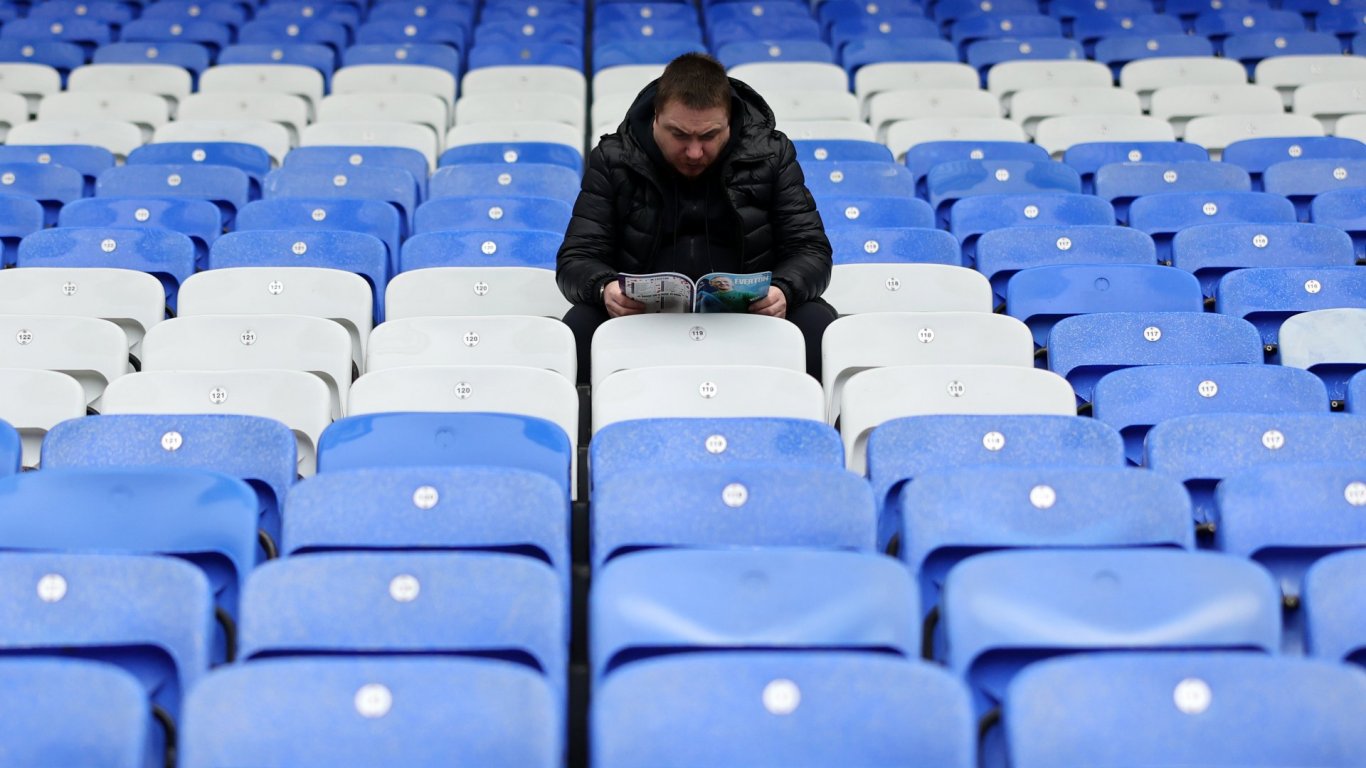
870	179
130	299
465	148
893	245
315	55
502	180
166	255
459	291
1029	106
855	210
252	159
1118	50
674	339
1083	348
33	401
923	157
1001	253
986	53
1162	216
172	65
1256	155
372	217
75	712
321	712
147	111
887	107
1286	73
904	135
1132	400
56	55
1302	180
22	75
410	160
227	187
199	219
1268	296
438	56
947	183
391	185
1121	183
1212	251
1332	608
355	252
1088	157
1214	132
1329	344
974	216
537	342
11	450
212	35
525	75
86	158
481	248
92	351
1251	48
480	212
1183	708
1008	77
877	287
705	391
1042	296
1356	393
525	54
51	185
296	79
885	75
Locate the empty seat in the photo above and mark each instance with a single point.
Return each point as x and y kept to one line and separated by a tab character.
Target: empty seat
1116	51
22	216
132	300
853	210
1286	73
372	217
1256	155
92	351
249	157
1059	134
537	342
199	219
878	76
1087	157
1178	104
227	187
456	291
1001	253
1144	76
166	255
923	157
1164	215
1328	343
870	179
1214	132
34	401
947	183
903	135
1268	296
339	156
1120	183
359	253
1334	626
673	339
522	179
886	107
974	216
1029	106
705	391
546	144
481	248
878	287
1043	296
51	185
454	213
391	185
1303	180
75	712
1211	251
882	245
1008	77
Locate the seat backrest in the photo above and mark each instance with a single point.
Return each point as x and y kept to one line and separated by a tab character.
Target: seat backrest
481	248
1088	156
855	244
75	713
537	342
132	300
878	287
167	255
90	350
842	210
1163	215
1268	296
971	217
674	339
464	291
199	219
1001	253
1120	183
33	401
706	391
454	213
1328	343
1041	296
356	252
1335	625
1213	251
227	187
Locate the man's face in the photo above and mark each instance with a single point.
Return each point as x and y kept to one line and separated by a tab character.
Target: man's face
690	139
721	284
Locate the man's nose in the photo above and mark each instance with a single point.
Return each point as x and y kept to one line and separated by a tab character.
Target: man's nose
694	150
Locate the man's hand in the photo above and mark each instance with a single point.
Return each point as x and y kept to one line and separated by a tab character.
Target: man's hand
773	305
619	304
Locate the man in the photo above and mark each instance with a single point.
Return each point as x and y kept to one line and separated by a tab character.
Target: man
695	180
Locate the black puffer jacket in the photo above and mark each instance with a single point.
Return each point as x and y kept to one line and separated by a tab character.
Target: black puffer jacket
617	218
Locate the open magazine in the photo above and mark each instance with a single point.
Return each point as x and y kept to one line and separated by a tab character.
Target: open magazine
713	292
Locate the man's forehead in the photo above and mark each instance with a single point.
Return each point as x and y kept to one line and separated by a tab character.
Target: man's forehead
677	115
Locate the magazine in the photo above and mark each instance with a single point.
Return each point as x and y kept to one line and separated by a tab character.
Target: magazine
713	292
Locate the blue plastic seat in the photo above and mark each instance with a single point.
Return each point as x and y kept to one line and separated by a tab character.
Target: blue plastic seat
355	252
1002	24
88	159
851	10
252	159
761	50
901	245
1266	297
62	57
507	55
163	253
1165	214
1252	524
951	515
823	150
866	179
1343	22
1218	25
11	452
73	712
1120	183
860	24
447	439
197	219
620	53
437	55
947	183
1116	50
1212	251
1003	252
150	617
854	709
505	180
414	10
348	15
1335	624
1251	47
19	217
481	248
540	152
227	187
104	11
1303	180
1099	600
714	14
497	32
1346	210
1095	24
874	50
212	35
923	157
1087	158
344	157
859	211
373	217
1084	348
312	713
731	507
51	185
1042	296
1185	709
387	184
702	443
1132	400
276	31
1071	9
644	12
464	504
450	32
784	30
512	213
666	602
1256	155
902	449
191	56
1201	450
409	604
84	32
974	216
187	10
948	11
983	54
1189	9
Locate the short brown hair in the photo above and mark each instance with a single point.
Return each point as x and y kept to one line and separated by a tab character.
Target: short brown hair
696	80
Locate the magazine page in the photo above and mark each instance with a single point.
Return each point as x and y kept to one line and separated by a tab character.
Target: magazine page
730	292
659	291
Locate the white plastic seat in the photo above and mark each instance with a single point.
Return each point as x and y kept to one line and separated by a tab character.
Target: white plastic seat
148	111
1007	77
706	392
886	107
13	111
1057	134
858	288
34	401
1031	105
904	134
1177	104
287	109
907	75
881	394
414	108
117	136
1324	338
366	133
790	104
519	77
1351	127
92	351
132	300
827	129
1286	73
32	81
627	79
857	343
639	341
808	76
536	342
398	78
277	78
1214	132
458	291
299	400
544	106
1328	101
246	342
170	82
331	294
268	135
516	131
1143	76
608	111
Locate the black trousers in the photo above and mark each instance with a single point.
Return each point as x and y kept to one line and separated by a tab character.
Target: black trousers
810	318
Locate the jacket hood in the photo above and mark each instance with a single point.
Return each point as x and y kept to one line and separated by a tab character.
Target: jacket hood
751	119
